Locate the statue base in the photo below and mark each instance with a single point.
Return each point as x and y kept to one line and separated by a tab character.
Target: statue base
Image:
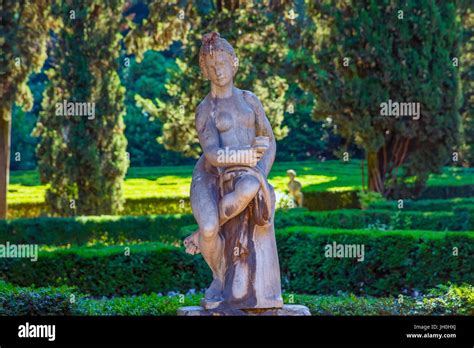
286	310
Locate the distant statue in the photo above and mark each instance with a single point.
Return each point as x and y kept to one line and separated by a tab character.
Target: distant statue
294	187
231	199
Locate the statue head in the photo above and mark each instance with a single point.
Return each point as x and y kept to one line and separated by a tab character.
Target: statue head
217	59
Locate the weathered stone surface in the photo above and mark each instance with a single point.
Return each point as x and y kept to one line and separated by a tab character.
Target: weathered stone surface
231	199
286	310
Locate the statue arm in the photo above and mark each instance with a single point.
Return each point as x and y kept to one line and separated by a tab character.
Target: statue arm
263	128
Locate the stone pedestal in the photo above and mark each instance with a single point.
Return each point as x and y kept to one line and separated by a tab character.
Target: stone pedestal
286	310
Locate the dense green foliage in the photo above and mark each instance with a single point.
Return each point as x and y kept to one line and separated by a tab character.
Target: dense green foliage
425	205
148	79
108	271
169	228
83	156
104	229
444	300
395	262
371	52
25	30
37	301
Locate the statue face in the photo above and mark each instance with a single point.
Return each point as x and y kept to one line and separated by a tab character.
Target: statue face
219	68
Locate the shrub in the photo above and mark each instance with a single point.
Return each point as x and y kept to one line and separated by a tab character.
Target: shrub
43	301
168	228
83	230
152	304
426	205
101	270
368	198
135	206
446	192
444	300
326	200
448	300
356	219
395	262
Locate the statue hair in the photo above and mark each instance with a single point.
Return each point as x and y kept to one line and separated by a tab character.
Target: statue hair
211	43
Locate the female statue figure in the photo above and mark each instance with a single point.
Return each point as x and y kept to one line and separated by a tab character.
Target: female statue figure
230	196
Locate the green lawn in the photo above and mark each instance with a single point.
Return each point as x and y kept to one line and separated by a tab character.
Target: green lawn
175	181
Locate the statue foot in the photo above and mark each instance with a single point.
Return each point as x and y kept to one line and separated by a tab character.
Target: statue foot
192	243
213	296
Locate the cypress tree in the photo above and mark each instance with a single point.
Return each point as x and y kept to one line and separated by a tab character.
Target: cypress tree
369	52
83	158
24	32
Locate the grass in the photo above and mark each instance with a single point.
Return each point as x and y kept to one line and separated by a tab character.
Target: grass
175	181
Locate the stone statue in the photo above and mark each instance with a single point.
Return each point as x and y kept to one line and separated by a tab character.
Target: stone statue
294	187
231	199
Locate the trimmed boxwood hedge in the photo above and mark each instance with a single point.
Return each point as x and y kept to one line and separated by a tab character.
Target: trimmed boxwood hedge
38	301
113	270
326	200
426	204
87	229
377	219
444	300
134	207
166	228
395	262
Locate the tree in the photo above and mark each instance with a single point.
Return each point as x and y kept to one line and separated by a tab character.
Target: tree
147	79
467	77
24	32
83	156
365	53
258	32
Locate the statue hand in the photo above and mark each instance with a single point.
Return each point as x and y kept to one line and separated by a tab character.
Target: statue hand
251	157
261	144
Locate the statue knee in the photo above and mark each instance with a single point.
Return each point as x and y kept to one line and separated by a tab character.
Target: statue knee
249	187
209	229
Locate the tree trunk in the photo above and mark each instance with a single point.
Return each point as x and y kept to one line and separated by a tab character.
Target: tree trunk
375	183
5	133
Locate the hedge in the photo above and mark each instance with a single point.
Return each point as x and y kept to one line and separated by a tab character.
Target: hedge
426	205
444	300
395	262
314	200
377	219
446	192
38	301
106	271
105	229
134	207
327	200
166	228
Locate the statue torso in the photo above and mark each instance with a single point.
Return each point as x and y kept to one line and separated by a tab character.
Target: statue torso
234	120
